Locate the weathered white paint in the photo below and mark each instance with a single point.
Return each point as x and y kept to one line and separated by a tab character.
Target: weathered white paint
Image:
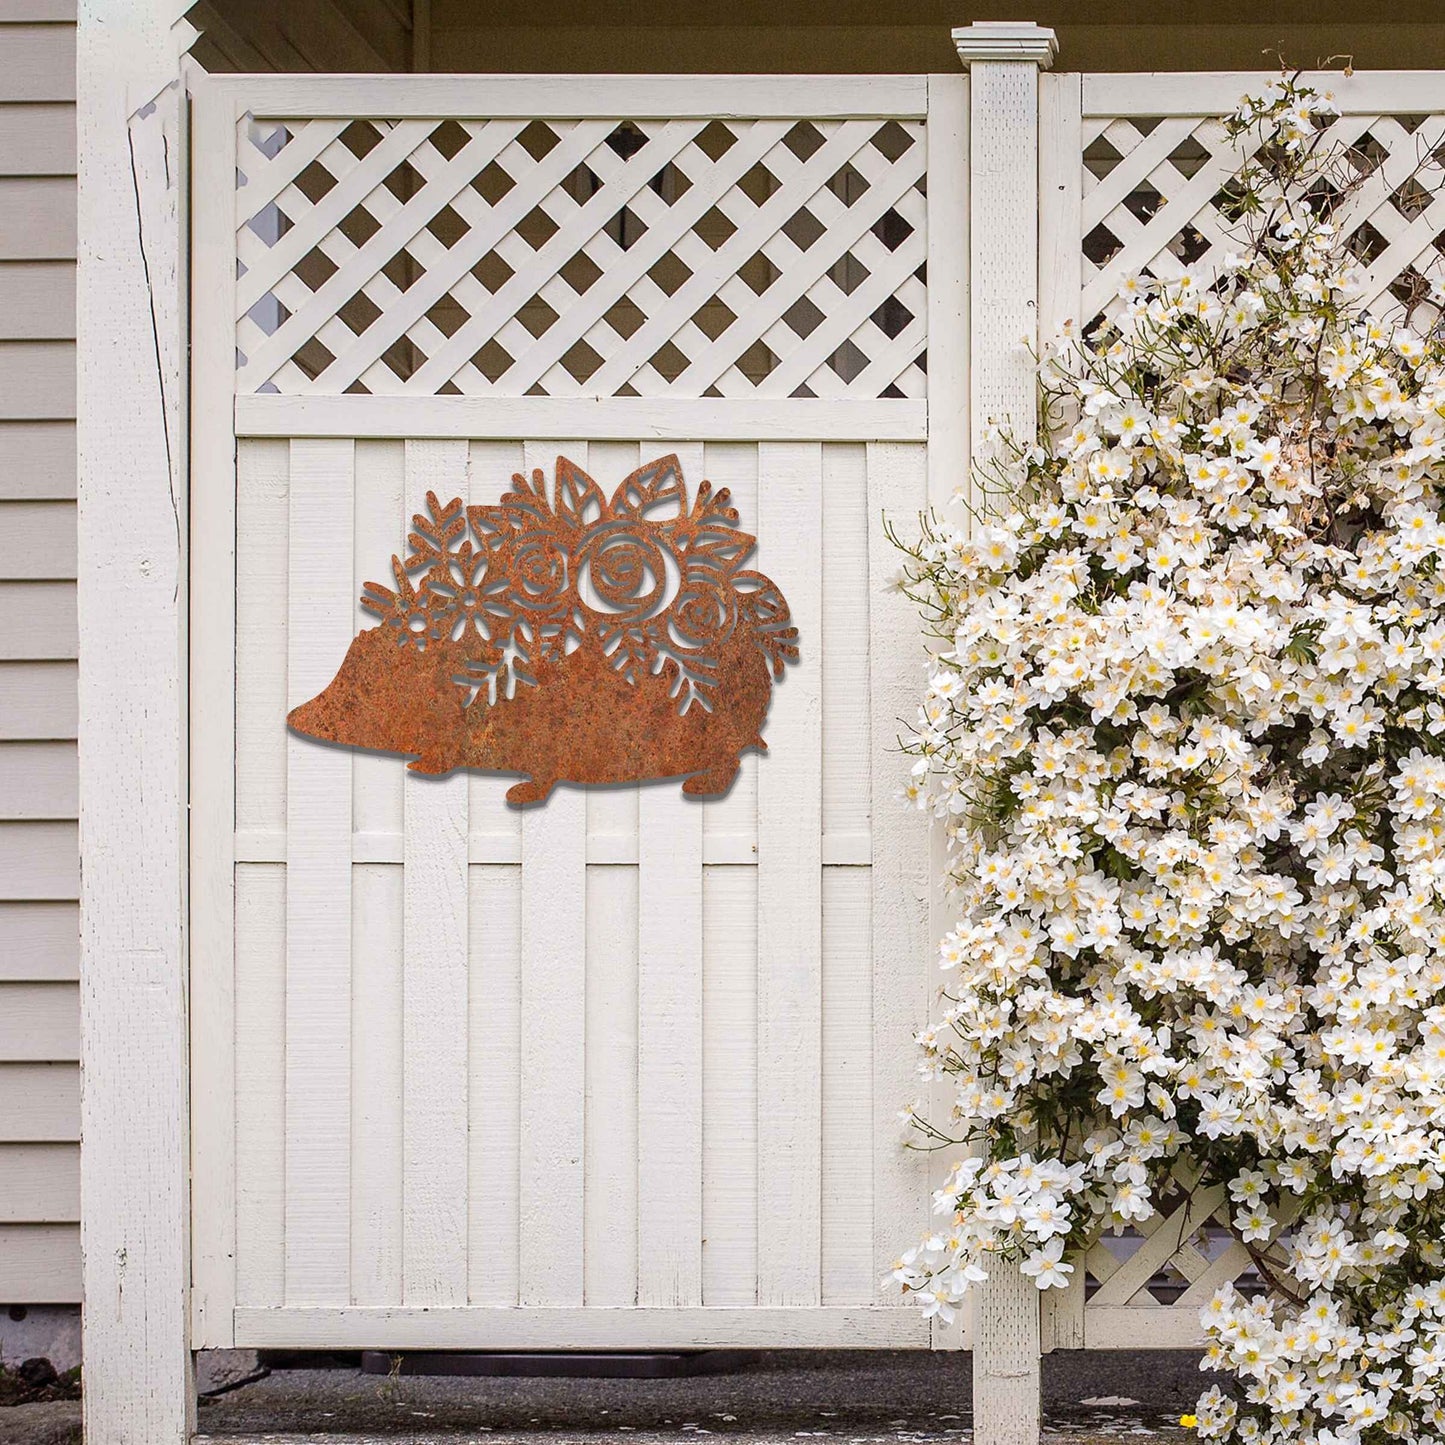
1004	60
132	582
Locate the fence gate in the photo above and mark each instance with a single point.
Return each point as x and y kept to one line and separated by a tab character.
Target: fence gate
622	1070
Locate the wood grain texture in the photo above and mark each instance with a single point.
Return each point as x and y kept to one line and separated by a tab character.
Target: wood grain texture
669	1048
37	299
434	964
790	502
612	1187
626	1329
554	983
39	63
37	139
39	1184
39	1103
40	860
494	997
318	887
37	459
37	541
41	941
38	621
40	1263
902	879
38	700
39	1022
37	220
260	1085
38	780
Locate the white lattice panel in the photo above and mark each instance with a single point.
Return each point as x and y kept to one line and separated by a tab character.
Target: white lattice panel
1154	192
681	258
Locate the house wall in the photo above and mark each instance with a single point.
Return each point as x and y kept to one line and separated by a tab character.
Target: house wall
39	861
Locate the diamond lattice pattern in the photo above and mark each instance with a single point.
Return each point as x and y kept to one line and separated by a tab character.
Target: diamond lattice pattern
1155	200
682	258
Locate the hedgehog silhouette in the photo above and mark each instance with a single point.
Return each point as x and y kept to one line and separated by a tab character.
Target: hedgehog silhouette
570	639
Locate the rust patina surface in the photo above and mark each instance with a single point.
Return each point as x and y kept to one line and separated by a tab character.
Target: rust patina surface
568	637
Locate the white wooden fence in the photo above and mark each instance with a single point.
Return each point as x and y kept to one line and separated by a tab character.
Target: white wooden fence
623	1071
626	1070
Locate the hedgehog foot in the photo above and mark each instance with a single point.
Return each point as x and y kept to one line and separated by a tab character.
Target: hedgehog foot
430	766
714	782
534	790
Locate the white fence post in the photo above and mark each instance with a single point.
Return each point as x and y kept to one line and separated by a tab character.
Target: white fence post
135	1202
1004	58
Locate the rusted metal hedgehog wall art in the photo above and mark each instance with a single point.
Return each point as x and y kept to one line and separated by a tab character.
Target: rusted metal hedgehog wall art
573	639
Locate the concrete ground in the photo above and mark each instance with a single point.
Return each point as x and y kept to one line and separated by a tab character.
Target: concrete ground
778	1398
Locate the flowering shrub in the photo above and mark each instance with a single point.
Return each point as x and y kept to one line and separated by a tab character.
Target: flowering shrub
1186	722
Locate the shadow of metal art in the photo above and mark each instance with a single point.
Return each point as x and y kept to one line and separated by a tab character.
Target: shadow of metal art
574	639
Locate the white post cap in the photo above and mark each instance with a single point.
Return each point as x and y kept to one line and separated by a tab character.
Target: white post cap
1006	40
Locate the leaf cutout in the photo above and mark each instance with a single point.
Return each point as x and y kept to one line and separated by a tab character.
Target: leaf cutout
650	487
578	501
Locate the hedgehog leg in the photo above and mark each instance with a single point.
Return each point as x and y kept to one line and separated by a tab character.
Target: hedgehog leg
430	765
714	782
534	790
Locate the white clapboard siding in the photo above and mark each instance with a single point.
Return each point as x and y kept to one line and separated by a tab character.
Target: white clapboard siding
39	1022
40	860
37	380
37	540
39	63
37	780
39	1183
37	459
39	941
37	298
37	139
37	621
40	1263
37	700
37	218
39	1103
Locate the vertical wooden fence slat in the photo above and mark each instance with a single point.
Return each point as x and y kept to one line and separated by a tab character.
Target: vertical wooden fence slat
1004	59
669	1049
377	1008
790	501
612	1016
434	987
730	987
495	1002
494	995
262	482
260	1084
554	977
903	885
318	886
848	1273
612	1013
